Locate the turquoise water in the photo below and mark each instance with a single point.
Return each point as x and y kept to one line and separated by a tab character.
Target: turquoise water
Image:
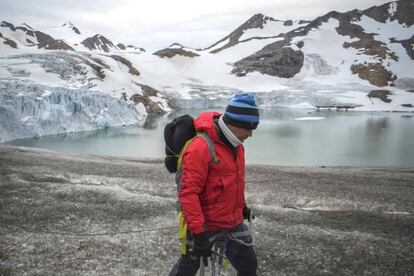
284	137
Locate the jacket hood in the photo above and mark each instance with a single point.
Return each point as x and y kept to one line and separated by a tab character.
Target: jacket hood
205	122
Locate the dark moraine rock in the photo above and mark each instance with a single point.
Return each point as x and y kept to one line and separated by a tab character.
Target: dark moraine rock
8	25
408	45
275	59
121	46
98	42
380	94
171	52
132	69
147	91
375	73
10	42
26	30
403	14
47	42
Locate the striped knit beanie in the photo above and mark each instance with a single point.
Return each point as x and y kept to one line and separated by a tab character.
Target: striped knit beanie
242	112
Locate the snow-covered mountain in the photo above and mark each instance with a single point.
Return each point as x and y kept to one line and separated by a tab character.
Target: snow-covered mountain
67	79
352	60
25	36
376	44
100	43
64	37
130	48
257	27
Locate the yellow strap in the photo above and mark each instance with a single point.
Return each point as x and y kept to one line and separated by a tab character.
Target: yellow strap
180	158
182	231
180	155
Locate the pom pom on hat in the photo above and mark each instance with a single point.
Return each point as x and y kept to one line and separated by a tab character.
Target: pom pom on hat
242	112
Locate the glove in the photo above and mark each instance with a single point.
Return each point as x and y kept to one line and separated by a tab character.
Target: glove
202	245
247	212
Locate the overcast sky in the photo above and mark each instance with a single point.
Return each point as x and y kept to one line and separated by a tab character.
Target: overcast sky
155	24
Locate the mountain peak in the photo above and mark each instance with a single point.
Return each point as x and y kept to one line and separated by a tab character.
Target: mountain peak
259	26
400	11
27	26
70	25
98	42
257	21
176	45
7	24
129	48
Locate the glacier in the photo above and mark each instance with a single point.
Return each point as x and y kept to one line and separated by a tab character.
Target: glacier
29	109
52	92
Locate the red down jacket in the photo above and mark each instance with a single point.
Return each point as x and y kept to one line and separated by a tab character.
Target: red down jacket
211	195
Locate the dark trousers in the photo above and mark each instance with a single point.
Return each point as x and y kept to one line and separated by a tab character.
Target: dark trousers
242	257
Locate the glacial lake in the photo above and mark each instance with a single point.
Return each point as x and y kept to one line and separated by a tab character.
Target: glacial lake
284	137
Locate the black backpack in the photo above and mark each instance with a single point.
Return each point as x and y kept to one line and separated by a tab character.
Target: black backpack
178	134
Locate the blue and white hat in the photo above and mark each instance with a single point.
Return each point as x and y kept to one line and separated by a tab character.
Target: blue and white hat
242	112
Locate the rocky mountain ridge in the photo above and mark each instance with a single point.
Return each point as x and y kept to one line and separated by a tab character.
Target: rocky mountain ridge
284	58
257	21
31	38
25	36
99	42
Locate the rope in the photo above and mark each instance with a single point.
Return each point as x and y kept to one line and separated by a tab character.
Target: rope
100	234
240	241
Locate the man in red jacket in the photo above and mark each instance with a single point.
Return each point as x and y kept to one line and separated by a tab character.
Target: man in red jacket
212	194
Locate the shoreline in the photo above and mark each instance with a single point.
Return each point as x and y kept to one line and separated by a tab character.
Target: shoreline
88	214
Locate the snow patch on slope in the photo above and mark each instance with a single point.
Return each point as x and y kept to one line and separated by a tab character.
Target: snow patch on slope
270	28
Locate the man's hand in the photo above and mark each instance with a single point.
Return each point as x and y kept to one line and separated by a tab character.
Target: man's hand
202	245
247	212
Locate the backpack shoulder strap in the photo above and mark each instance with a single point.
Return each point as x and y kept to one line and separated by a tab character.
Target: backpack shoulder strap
211	149
210	145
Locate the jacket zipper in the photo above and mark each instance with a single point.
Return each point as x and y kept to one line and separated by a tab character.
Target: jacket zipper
237	189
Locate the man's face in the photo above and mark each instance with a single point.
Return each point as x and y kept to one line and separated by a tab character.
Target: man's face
241	133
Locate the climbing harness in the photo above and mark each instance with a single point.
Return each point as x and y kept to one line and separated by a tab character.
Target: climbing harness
218	257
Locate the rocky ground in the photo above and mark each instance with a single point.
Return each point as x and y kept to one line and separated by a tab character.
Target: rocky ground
92	215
